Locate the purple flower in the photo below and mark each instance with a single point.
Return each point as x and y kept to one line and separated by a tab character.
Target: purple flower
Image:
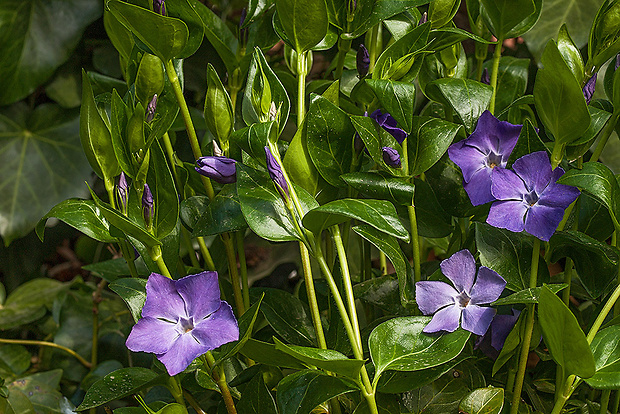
588	89
363	61
493	340
489	146
530	198
150	109
159	7
452	304
148	206
182	319
391	157
485	77
220	169
277	175
123	192
387	122
617	62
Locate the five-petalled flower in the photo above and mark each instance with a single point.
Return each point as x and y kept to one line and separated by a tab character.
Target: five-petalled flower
182	319
489	146
460	302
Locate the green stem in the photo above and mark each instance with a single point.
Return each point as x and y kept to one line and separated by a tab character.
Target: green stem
233	273
372	49
175	389
95	338
568	273
244	269
529	327
605	134
367	260
301	87
109	187
605	401
50	345
220	378
311	293
616	404
343	48
204	250
512	373
190	247
128	254
415	244
497	54
383	263
192	401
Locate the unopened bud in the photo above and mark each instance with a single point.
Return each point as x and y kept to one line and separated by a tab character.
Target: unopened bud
273	112
220	169
243	31
588	89
277	175
423	19
159	7
123	193
485	77
150	109
148	207
391	157
362	61
217	151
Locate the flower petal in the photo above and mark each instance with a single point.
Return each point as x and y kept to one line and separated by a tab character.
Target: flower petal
508	215
506	185
184	350
433	295
501	327
460	268
558	195
162	299
488	287
479	187
152	335
535	170
493	135
469	159
201	294
218	329
542	221
446	319
476	319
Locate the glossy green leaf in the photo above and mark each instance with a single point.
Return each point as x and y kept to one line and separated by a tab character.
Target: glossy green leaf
29	302
483	401
509	254
400	345
14	357
301	392
326	359
378	11
165	36
441	12
428	141
246	326
389	246
133	292
563	336
256	398
218	108
82	215
594	219
116	385
446	181
440	397
570	53
447	36
223	214
329	139
512	79
263	208
604	42
529	295
304	22
598	181
297	161
185	10
266	353
397	98
596	262
412	45
607	359
598	119
379	214
164	192
41	389
375	138
528	142
16	403
253	139
381	185
219	35
467	98
510	18
432	219
29	58
381	291
559	99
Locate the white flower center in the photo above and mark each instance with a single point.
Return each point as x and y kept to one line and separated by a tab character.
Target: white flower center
462	299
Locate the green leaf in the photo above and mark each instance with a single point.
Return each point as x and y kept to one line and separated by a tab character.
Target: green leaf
596	262
133	292
185	11
468	98
607	359
510	18
412	45
446	181
512	80
379	214
82	215
598	119
223	214
17	403
529	295
41	389
598	181
563	336
304	22
381	185
266	353
297	161
441	12
381	291
366	127
165	36
301	392
253	139
509	254
442	396
29	58
219	35
428	141
528	142
263	208
326	359
15	357
381	10
256	398
559	99
570	53
329	139
400	345
116	385
397	98
218	108
246	326
164	192
483	401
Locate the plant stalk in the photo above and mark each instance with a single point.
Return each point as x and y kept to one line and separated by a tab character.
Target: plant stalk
415	244
497	55
50	345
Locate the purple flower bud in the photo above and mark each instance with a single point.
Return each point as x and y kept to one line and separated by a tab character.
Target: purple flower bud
391	157
150	109
277	175
123	192
588	89
220	169
387	122
159	7
148	206
485	77
617	61
363	61
423	19
243	32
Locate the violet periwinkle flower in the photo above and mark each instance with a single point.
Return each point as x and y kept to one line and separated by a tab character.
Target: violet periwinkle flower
277	175
159	7
456	304
362	61
589	87
148	206
220	169
493	340
489	146
123	192
387	122
391	157
182	319
529	198
485	77
150	109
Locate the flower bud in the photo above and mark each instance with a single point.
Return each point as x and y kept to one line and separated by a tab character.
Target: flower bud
217	151
220	169
123	192
617	61
391	157
159	7
387	122
243	31
277	175
148	207
588	89
423	19
363	61
150	109
485	77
